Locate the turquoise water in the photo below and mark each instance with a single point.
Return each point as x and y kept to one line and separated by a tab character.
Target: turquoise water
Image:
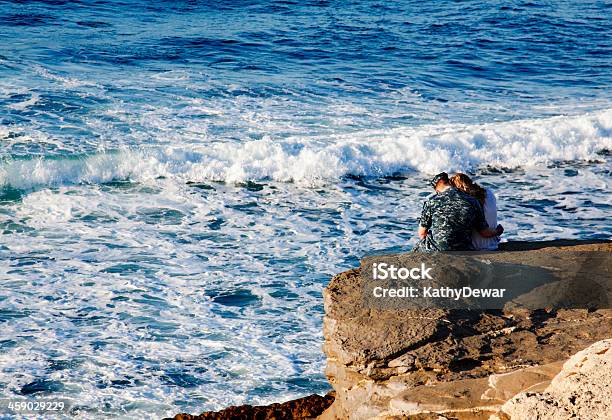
179	181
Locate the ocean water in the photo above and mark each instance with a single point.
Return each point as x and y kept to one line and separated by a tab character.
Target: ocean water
179	180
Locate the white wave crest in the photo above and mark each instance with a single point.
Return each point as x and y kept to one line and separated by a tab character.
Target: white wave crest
430	149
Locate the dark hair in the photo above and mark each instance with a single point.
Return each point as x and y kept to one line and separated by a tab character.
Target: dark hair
464	183
442	176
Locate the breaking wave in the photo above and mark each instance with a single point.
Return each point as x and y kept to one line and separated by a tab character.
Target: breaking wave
376	153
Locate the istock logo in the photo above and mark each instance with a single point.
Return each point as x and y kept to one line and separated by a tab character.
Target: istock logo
384	271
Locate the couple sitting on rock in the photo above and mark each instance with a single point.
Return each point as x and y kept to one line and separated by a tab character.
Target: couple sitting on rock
459	216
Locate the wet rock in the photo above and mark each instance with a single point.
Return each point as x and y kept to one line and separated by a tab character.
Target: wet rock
302	408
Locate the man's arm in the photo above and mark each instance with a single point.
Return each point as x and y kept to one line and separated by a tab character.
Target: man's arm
481	226
425	220
489	233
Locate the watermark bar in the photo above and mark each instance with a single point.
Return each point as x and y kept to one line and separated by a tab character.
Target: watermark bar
493	280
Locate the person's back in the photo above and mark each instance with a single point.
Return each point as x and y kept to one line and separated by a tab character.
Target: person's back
450	217
488	201
490	212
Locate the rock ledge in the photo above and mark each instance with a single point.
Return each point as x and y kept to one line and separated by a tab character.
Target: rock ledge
459	364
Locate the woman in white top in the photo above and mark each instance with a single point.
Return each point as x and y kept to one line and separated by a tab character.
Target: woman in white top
489	205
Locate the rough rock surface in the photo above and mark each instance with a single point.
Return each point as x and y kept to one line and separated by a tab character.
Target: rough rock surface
581	390
455	363
302	408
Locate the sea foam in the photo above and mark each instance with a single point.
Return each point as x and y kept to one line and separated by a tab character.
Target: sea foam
308	160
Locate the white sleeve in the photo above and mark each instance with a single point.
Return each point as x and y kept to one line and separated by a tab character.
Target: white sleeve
490	209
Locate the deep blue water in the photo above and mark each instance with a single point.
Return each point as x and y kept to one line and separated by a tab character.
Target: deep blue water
311	68
179	180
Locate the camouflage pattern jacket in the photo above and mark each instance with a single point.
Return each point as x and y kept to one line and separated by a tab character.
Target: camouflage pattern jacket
450	217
